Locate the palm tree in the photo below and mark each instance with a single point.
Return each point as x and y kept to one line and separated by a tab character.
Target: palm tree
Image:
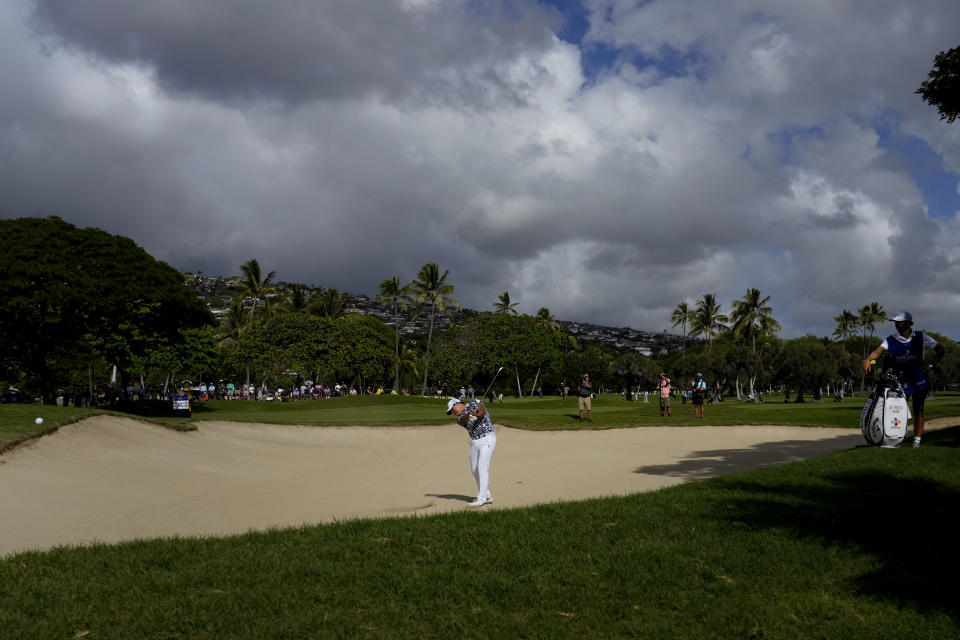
298	300
707	319
503	306
751	315
847	323
545	319
431	287
331	304
235	322
255	285
682	315
397	297
870	316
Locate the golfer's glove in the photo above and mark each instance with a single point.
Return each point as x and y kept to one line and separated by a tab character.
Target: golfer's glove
471	420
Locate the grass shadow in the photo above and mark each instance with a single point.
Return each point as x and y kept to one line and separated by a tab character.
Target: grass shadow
156	408
700	465
906	522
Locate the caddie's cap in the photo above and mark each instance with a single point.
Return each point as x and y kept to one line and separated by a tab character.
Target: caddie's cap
699	375
903	316
450	404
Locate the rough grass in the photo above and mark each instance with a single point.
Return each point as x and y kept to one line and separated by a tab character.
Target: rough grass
857	544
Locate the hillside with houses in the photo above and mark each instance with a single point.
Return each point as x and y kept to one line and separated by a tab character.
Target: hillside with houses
218	292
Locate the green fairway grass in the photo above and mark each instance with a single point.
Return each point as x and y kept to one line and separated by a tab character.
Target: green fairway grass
17	421
860	544
549	413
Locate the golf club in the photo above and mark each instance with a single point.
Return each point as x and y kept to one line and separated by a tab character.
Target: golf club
491	382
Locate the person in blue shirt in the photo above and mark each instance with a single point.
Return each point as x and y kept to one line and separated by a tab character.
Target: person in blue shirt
906	348
181	403
699	388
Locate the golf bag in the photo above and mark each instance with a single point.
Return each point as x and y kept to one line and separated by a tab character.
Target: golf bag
883	420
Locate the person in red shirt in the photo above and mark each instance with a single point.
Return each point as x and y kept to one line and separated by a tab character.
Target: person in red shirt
663	386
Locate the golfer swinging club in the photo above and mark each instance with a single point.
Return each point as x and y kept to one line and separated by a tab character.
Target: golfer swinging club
473	417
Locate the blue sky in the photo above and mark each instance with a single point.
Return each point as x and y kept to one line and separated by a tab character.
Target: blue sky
925	165
606	159
939	185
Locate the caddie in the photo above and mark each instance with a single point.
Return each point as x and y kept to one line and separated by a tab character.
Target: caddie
473	417
906	347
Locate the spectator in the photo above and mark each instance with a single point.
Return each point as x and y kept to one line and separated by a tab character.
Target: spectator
584	398
698	389
663	387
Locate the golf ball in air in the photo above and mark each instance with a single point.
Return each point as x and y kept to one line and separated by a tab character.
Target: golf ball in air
39	420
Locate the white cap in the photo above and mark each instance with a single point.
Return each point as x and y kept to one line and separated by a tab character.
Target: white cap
903	316
450	404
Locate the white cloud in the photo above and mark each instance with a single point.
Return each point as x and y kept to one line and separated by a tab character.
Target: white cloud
740	150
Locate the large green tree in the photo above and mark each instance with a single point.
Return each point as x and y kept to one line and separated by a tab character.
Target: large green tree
941	89
71	296
948	371
353	347
195	356
633	368
807	364
520	344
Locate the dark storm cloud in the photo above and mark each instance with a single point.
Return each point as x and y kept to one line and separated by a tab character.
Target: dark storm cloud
342	143
299	50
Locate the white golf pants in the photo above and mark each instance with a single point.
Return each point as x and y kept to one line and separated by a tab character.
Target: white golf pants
481	450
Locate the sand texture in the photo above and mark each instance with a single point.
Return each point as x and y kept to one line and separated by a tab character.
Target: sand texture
108	479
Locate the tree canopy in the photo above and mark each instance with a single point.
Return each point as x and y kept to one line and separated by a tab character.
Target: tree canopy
70	297
942	87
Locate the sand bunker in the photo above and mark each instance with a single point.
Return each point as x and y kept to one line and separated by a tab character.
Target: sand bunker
109	479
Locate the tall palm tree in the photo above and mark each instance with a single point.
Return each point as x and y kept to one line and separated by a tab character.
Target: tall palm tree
751	315
503	306
682	316
397	297
255	285
707	319
870	316
847	323
431	288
